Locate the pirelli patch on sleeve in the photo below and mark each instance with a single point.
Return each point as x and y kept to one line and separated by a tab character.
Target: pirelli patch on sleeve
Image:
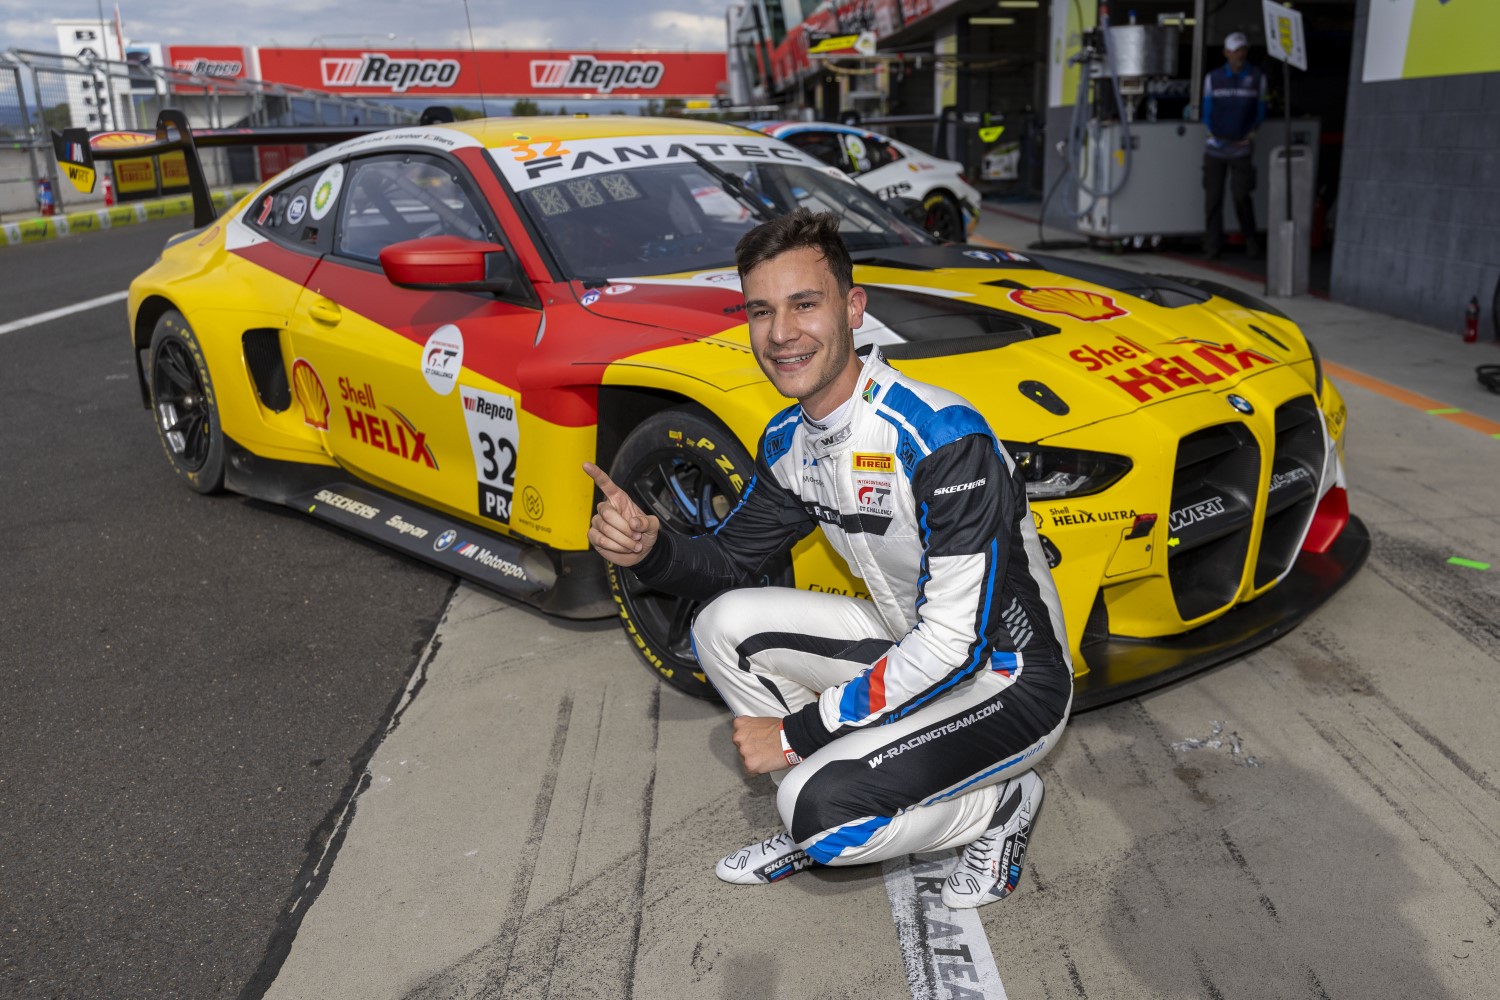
869	462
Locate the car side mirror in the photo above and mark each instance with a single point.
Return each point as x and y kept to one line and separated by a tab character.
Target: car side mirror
451	264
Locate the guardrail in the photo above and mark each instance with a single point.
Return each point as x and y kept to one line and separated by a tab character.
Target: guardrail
41	91
35	230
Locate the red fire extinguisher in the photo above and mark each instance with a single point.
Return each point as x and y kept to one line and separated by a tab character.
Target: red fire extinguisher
44	198
1471	321
109	191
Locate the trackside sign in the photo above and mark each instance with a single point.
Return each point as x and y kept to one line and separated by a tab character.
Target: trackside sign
511	73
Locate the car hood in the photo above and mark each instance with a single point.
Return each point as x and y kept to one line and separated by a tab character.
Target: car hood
1049	350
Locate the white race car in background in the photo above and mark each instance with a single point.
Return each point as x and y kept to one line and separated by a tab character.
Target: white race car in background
890	169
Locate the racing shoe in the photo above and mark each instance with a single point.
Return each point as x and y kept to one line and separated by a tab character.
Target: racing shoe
991	866
770	860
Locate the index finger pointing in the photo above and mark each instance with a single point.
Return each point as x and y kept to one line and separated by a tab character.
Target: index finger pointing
601	479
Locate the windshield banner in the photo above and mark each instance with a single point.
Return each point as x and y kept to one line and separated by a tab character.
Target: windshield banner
535	159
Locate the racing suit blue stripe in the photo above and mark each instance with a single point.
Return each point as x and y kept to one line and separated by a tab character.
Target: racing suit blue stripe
853	835
926	567
977	651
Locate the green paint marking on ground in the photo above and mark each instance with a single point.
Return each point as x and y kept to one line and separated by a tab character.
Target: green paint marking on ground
1443	411
1467	563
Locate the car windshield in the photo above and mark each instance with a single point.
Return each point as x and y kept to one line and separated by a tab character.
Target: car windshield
661	218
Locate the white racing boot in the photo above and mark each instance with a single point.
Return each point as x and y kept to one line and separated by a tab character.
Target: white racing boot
991	866
769	860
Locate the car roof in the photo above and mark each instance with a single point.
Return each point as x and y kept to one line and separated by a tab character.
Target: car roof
499	132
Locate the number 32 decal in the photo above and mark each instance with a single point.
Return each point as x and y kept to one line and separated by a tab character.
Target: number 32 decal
494	436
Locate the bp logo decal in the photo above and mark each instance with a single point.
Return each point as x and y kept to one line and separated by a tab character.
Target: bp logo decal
326	191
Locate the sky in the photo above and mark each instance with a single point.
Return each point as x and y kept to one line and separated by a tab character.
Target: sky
694	25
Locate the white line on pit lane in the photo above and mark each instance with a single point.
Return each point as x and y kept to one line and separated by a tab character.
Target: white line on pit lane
47	317
956	959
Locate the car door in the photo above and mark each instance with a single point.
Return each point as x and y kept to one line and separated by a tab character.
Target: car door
422	385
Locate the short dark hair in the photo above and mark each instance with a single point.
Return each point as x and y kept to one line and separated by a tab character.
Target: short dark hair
803	228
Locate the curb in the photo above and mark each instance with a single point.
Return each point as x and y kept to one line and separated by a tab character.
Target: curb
40	228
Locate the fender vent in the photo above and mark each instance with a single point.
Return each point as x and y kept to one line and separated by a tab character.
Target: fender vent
263	358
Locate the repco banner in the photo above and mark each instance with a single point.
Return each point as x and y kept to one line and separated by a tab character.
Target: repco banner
460	73
213	61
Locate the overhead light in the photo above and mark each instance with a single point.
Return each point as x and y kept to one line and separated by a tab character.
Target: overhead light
992	20
1021	4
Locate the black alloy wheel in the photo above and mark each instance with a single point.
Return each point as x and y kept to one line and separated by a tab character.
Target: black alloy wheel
942	218
182	401
688	470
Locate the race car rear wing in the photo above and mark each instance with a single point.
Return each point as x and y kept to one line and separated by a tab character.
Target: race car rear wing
77	150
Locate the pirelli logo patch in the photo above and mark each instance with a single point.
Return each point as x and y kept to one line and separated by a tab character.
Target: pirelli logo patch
867	462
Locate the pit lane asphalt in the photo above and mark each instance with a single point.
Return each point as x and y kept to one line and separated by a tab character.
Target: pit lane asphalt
188	685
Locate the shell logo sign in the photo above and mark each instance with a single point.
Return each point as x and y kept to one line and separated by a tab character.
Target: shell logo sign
1091	307
310	395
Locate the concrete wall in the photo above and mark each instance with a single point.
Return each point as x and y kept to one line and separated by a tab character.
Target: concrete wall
1418	224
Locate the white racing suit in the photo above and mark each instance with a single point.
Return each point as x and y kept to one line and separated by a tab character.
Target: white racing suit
909	709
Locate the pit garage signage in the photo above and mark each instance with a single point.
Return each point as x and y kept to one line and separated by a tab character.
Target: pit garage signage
515	73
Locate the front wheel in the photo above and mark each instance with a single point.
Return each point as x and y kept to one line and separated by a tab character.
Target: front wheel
688	470
182	400
943	218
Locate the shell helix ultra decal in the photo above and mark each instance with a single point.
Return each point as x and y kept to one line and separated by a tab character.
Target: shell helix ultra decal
443	358
494	436
326	191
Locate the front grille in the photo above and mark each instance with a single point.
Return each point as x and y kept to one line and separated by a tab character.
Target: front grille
1293	494
1212	513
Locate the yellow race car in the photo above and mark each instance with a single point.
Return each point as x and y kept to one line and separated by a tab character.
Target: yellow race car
421	334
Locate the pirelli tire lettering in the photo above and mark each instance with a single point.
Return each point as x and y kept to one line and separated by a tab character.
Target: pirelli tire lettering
184	404
706	461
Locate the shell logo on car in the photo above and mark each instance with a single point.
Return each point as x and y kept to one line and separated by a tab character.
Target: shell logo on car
1091	307
310	394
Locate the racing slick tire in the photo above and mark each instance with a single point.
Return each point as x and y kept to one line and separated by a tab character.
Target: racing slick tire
689	470
942	217
182	401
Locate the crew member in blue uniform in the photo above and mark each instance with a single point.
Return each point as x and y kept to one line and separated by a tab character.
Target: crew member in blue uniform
1234	105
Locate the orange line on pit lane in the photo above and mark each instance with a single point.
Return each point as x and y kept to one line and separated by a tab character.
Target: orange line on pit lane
1415	400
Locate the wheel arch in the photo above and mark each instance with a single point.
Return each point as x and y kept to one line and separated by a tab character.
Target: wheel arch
152	309
623	408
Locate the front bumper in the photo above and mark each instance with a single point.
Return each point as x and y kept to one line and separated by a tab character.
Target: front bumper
1120	668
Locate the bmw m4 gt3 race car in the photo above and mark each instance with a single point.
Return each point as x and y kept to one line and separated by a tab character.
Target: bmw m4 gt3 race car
421	334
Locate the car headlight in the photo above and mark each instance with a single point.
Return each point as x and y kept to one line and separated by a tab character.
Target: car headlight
1054	473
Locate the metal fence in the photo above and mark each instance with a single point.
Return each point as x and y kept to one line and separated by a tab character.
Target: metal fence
42	91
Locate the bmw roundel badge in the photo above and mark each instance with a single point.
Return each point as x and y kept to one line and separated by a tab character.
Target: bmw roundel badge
444	540
1240	403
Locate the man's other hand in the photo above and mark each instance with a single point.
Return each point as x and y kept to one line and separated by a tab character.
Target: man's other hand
620	531
759	743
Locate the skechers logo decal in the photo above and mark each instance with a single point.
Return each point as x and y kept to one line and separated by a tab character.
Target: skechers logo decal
957	489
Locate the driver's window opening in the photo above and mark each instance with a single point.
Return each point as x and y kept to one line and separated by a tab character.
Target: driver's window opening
392	201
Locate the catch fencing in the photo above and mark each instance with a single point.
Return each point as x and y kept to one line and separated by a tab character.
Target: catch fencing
42	91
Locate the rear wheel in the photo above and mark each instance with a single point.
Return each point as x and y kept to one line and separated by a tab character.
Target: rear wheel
688	470
182	400
943	218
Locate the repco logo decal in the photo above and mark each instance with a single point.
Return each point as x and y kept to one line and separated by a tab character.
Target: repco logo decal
599	75
211	67
383	72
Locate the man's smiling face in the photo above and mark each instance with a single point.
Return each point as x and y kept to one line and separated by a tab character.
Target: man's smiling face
802	329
